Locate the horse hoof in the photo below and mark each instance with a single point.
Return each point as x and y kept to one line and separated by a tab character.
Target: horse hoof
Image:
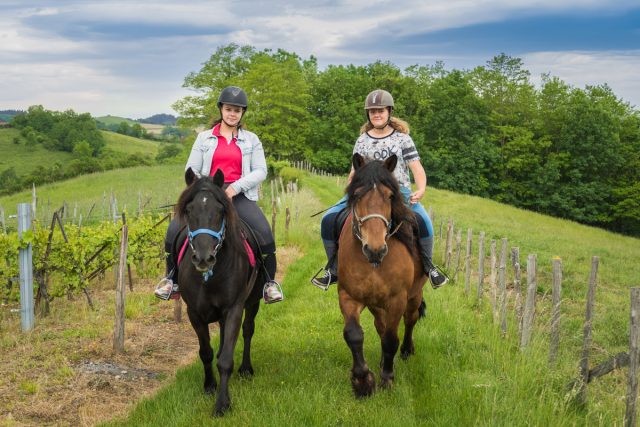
386	384
221	409
245	372
405	354
210	389
365	386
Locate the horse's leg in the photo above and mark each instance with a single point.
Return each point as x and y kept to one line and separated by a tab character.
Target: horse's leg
225	361
221	336
248	327
390	341
362	380
411	316
206	352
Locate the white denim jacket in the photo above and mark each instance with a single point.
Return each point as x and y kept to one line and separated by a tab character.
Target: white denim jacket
254	165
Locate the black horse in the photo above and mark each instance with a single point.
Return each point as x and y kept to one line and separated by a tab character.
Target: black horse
217	279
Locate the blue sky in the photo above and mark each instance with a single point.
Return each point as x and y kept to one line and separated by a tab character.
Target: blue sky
130	58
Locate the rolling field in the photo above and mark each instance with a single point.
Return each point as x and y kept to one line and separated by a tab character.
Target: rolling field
23	158
464	372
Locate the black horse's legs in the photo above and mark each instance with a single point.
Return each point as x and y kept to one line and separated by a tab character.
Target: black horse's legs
362	379
225	361
206	352
248	327
411	316
389	340
221	333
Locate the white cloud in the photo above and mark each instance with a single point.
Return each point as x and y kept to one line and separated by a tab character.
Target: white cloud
617	69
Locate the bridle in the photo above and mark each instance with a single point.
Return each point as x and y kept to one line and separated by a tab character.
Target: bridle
357	222
219	235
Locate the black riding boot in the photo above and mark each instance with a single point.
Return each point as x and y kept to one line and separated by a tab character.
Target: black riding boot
437	277
330	272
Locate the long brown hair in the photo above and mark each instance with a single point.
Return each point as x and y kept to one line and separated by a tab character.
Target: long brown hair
395	122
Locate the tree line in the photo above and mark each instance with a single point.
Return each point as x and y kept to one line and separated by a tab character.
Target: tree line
488	131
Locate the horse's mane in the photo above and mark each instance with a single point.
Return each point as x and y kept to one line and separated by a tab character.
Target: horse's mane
232	222
374	172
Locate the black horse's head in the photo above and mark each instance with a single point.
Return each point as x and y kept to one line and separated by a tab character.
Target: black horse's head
378	207
209	215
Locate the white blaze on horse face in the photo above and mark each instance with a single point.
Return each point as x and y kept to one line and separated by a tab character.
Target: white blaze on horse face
204	200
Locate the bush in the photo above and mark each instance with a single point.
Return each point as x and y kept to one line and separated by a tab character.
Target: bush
275	166
290	174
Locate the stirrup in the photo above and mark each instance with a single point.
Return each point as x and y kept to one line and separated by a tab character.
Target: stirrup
439	281
315	280
268	299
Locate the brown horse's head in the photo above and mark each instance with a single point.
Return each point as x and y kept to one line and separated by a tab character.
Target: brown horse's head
377	206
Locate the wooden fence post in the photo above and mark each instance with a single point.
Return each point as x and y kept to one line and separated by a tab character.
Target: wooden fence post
530	303
34	201
555	311
517	285
273	218
449	246
492	279
286	223
26	270
118	329
467	263
634	340
502	280
587	338
480	266
457	258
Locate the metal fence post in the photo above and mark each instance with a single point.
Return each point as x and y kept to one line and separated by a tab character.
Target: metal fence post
26	270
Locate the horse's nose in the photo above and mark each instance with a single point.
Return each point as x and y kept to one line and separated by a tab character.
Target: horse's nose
203	264
375	256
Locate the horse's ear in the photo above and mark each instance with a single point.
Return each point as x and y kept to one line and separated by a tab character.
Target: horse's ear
357	161
391	162
218	178
190	176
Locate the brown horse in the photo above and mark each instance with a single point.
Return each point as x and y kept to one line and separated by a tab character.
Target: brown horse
379	268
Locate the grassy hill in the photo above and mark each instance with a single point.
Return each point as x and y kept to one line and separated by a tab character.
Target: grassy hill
464	372
155	129
27	158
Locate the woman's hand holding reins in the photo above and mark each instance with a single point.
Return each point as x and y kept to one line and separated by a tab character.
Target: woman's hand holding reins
230	192
416	196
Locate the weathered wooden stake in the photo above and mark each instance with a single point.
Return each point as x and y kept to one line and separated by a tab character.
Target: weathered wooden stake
273	217
530	303
502	280
467	263
456	261
118	329
517	285
449	249
587	338
4	227
492	279
634	354
554	342
480	266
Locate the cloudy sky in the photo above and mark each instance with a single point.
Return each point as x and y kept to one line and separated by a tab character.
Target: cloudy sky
129	58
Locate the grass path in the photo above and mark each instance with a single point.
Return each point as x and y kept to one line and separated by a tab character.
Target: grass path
463	373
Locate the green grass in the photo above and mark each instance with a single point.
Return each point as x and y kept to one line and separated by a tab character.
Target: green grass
464	372
129	145
156	185
26	158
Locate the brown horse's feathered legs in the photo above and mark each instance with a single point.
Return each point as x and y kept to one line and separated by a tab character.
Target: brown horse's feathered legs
411	317
362	380
389	340
248	327
225	361
206	352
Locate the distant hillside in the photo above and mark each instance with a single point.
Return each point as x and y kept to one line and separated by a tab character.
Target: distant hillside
8	115
160	119
114	120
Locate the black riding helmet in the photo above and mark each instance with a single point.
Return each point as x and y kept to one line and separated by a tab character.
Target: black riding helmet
233	95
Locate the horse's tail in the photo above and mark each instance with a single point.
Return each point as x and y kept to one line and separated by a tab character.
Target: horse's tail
422	310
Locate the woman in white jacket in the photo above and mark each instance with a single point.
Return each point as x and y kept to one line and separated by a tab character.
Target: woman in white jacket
240	156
